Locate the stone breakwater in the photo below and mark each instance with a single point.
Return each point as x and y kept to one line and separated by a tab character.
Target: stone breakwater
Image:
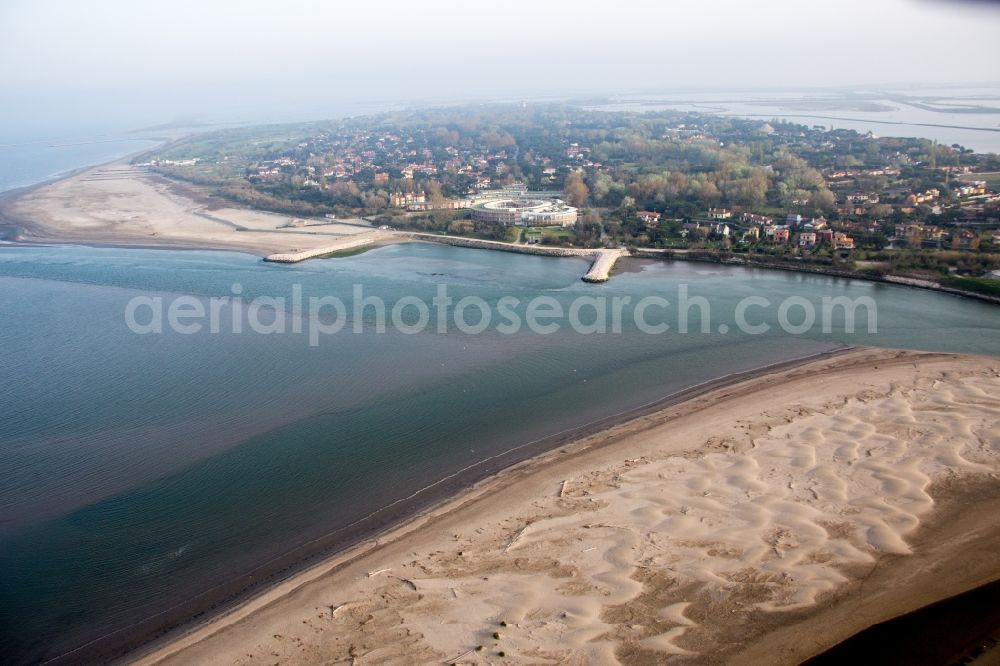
295	257
599	271
458	241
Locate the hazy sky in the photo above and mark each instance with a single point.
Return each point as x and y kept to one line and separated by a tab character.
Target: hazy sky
158	59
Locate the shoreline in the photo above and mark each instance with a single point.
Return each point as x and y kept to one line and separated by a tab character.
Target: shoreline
114	204
916	636
349	541
193	229
899	281
602	439
16	192
907	586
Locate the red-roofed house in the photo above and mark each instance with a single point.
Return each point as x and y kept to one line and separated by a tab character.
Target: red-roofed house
650	219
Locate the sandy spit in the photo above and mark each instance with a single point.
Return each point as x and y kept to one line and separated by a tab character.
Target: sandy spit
120	204
759	523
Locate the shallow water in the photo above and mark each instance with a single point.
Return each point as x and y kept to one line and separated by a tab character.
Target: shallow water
139	470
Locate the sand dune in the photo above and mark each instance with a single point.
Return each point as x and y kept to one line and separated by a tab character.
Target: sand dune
691	535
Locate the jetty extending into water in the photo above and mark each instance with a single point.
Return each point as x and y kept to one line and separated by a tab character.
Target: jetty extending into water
340	246
600	269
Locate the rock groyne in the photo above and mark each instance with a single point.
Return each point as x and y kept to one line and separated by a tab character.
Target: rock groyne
600	270
295	257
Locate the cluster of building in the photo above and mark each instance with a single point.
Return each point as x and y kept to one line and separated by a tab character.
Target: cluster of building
809	233
508	205
171	163
368	166
407	199
971	198
837	240
754	228
916	235
927	196
975	188
387	158
806	235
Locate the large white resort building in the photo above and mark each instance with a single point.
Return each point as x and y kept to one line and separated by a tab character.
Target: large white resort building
516	206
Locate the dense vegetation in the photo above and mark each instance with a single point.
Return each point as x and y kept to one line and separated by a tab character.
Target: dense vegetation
899	199
978	285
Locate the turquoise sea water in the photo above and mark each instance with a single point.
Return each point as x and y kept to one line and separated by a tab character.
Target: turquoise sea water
145	477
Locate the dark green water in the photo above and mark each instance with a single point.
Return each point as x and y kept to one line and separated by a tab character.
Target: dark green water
145	477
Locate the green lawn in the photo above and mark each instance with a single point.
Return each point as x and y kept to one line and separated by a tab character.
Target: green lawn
555	233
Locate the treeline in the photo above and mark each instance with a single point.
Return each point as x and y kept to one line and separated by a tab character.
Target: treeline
675	163
943	262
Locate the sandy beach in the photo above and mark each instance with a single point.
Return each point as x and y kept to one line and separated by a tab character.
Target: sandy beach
763	521
119	204
124	205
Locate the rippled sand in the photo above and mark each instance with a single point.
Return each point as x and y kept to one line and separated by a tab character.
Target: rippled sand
710	531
